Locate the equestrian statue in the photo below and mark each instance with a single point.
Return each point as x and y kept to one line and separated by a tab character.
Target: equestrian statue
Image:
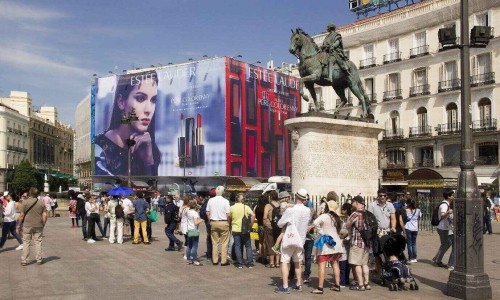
327	66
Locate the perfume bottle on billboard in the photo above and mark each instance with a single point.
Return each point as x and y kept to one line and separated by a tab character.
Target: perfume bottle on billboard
251	102
251	153
199	147
235	116
266	120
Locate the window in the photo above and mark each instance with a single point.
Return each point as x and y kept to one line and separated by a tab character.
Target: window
394	121
487	154
393	46
484	110
368	51
422	118
420	77
395	158
450	70
393	51
482	20
426	156
393	82
482	64
369	88
420	39
452	116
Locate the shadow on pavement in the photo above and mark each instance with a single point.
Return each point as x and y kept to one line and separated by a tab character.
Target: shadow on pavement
442	286
50	258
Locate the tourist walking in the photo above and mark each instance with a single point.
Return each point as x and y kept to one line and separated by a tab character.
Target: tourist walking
183	210
445	214
32	220
170	218
193	234
242	237
272	214
413	215
358	253
9	223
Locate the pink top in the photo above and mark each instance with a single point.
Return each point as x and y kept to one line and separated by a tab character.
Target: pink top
71	204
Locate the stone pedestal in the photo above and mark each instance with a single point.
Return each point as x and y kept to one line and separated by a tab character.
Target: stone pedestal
332	154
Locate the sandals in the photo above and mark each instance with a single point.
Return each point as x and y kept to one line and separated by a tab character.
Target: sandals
335	288
368	287
270	266
317	291
360	288
277	265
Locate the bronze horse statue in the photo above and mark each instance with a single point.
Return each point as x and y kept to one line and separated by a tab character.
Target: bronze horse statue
313	69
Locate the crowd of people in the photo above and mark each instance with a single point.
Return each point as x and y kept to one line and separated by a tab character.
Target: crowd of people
289	234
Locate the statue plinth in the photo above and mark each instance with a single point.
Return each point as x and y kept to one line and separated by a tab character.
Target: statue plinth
332	154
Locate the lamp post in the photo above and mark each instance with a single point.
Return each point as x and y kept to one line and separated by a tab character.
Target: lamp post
468	280
128	118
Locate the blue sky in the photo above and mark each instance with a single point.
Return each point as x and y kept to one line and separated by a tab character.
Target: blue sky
51	48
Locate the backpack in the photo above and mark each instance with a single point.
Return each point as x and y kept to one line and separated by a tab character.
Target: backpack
370	227
119	210
436	218
275	216
203	211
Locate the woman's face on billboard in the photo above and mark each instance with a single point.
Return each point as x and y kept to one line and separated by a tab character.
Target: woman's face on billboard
142	99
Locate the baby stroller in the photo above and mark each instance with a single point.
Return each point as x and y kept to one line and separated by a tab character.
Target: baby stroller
395	271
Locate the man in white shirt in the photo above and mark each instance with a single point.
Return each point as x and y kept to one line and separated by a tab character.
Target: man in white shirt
128	211
443	227
218	213
300	216
178	202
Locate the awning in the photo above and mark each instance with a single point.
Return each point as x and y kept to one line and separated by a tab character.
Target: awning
485	180
394	183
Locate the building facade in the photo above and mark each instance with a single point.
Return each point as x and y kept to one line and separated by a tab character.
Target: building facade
83	167
413	83
47	142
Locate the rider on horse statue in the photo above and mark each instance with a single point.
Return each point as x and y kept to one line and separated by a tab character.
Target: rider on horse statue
335	49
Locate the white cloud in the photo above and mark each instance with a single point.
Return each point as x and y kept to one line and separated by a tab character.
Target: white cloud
19	12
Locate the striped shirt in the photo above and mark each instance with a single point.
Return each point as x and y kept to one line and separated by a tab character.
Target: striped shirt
356	219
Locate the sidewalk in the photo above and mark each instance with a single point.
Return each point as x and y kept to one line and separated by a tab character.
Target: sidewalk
74	269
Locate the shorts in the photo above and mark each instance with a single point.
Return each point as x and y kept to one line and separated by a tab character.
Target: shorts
329	257
291	253
358	256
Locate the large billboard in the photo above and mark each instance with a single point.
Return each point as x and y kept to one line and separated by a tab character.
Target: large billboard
217	117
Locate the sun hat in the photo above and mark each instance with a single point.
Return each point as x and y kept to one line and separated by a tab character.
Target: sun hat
302	194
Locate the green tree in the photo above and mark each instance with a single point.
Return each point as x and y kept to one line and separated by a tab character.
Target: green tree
24	177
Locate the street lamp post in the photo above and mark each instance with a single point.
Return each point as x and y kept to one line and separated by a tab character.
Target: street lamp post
468	280
128	118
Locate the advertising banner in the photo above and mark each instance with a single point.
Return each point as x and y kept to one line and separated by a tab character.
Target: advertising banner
180	126
259	101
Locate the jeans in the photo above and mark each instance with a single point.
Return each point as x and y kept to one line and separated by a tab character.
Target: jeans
105	226
243	239
451	260
9	227
99	225
308	248
487	225
209	240
230	247
84	224
169	232
344	272
411	243
192	248
91	231
446	242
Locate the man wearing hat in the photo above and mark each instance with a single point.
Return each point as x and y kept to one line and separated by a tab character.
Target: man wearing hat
334	47
358	253
299	216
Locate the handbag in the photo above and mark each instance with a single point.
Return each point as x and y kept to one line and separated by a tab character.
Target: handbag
193	232
291	238
246	222
153	216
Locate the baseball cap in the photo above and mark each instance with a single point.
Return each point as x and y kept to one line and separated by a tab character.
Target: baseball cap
358	199
212	192
301	193
5	193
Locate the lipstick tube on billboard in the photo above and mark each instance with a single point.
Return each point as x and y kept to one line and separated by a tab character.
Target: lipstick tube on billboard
181	146
190	138
199	147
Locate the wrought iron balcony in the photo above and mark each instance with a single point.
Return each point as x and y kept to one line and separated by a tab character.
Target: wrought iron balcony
395	165
490	160
420	90
482	79
484	125
424	163
394	134
419	51
372	97
449	85
393	95
448	128
453	162
450	45
368	63
392	57
420	131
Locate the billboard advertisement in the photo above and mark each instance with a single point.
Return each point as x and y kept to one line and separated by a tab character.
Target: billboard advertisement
259	101
216	117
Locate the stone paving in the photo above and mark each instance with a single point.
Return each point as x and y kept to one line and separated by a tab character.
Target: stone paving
74	269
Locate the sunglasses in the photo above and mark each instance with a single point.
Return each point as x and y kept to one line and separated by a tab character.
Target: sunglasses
382	195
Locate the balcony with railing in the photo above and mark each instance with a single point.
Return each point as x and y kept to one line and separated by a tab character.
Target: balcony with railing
420	90
393	134
451	162
450	45
372	98
419	51
420	131
395	165
482	79
424	163
392	57
393	95
448	128
449	85
368	63
484	125
490	160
